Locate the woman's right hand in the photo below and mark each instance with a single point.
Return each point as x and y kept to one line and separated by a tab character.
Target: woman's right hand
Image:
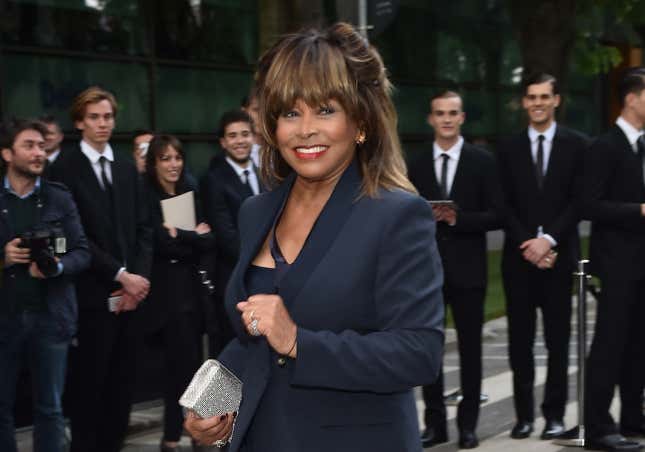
207	431
202	228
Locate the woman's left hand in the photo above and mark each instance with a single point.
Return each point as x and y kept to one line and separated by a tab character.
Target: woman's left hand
273	322
172	232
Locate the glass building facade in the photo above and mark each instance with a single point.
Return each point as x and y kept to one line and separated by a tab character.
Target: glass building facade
177	65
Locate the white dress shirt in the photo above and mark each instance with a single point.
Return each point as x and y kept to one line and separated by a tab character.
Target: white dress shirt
53	156
253	178
255	154
93	155
631	132
453	160
547	145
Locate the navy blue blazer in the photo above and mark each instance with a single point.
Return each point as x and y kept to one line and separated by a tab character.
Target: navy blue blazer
365	292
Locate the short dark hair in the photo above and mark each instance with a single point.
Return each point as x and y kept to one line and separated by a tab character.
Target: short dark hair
444	94
157	146
230	117
539	78
10	129
632	80
49	120
139	132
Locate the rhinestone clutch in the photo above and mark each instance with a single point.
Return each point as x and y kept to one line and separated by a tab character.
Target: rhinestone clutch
213	391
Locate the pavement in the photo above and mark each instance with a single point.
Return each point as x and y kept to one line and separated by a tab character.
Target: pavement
497	414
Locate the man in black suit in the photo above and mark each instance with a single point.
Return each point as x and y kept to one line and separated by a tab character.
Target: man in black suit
613	198
107	193
539	170
53	140
467	175
229	181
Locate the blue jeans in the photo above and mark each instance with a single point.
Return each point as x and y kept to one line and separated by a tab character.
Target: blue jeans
35	338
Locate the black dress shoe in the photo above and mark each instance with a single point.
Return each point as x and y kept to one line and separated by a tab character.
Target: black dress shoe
431	437
612	443
552	429
638	430
468	439
522	430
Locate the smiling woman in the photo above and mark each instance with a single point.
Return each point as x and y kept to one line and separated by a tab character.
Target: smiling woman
336	297
172	315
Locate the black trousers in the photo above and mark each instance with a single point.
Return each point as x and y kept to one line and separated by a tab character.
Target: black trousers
103	379
617	357
527	288
180	340
468	313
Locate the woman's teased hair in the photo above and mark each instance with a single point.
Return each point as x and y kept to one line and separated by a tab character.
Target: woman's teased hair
337	63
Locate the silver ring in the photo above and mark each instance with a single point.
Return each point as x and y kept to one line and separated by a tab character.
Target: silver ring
219	443
254	328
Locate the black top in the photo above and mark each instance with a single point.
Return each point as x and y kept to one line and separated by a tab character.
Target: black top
24	215
271	418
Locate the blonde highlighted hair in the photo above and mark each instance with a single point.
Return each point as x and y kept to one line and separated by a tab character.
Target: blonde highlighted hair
337	63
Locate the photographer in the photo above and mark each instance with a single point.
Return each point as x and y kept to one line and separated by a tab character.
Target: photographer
42	245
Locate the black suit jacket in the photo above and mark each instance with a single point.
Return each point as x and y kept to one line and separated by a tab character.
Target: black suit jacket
223	193
553	207
476	191
95	284
612	193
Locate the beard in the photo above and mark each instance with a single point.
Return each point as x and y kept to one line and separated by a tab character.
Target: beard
26	172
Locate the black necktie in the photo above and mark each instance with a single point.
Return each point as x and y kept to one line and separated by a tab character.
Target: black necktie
640	145
246	182
539	161
443	185
107	187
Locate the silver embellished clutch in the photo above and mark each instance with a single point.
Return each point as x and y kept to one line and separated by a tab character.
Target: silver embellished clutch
213	391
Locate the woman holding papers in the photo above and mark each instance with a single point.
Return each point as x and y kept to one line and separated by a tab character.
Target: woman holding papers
336	298
173	314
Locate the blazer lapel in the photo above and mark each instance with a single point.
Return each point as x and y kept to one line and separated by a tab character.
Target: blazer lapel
324	232
259	355
525	160
87	173
329	223
458	180
555	159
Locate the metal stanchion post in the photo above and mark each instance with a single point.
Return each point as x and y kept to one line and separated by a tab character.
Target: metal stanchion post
576	436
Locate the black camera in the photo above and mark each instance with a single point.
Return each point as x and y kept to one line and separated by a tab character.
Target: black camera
44	246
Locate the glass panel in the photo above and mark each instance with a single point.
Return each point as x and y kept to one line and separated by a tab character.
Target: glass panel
199	155
225	31
480	107
105	26
405	54
49	84
412	106
513	117
460	60
191	101
578	114
510	71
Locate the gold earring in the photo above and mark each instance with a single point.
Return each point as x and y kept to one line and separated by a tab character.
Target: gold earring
360	139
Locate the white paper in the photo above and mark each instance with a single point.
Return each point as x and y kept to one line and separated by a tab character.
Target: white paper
179	212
